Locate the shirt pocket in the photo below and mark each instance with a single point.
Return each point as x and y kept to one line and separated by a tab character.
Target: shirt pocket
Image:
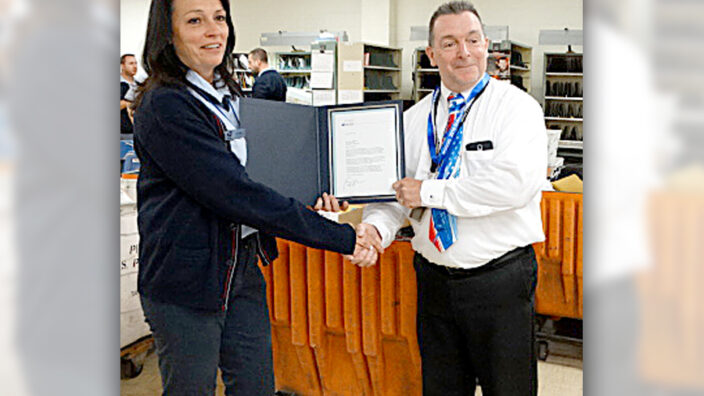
476	160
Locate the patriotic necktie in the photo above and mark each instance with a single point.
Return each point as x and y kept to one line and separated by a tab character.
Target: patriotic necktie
443	226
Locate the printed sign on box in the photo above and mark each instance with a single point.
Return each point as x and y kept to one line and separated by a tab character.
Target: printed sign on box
129	246
132	326
129	297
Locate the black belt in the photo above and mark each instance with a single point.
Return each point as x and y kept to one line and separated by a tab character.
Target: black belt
490	266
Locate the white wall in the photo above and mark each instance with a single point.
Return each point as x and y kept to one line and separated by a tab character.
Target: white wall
253	17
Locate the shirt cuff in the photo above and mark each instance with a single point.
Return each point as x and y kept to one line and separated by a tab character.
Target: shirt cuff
432	193
386	237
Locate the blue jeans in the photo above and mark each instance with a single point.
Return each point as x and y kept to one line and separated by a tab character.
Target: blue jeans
192	344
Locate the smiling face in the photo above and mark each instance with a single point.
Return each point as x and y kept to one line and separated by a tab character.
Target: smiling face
459	50
199	34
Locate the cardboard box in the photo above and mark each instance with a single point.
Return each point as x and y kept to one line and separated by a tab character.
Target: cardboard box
129	246
129	297
132	326
128	222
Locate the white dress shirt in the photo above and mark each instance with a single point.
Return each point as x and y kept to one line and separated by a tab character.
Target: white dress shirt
130	94
496	197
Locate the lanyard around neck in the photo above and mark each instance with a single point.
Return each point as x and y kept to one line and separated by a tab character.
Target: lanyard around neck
217	107
433	138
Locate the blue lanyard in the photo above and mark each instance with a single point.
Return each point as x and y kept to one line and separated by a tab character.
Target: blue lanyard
219	106
432	145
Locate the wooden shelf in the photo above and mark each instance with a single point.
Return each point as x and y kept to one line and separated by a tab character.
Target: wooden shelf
566	148
367	46
377	66
294	71
565	98
563	119
371	67
425	90
519	68
571	144
381	90
553	74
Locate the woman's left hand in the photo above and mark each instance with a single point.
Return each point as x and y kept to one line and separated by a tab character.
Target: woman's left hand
329	203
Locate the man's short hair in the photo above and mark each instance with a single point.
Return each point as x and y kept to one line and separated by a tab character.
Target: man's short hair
259	54
451	8
122	58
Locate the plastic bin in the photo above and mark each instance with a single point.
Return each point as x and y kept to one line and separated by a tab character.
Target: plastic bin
670	295
559	291
338	329
132	324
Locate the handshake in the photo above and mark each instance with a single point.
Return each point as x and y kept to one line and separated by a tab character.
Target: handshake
368	246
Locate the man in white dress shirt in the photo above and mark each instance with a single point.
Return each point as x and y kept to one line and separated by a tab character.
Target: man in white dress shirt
475	165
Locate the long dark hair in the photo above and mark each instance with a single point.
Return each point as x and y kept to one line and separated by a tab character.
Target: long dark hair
159	58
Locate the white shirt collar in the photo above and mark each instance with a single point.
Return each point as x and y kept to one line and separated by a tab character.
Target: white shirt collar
266	70
123	79
445	91
197	80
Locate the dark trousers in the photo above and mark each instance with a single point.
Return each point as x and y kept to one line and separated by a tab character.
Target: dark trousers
476	326
191	345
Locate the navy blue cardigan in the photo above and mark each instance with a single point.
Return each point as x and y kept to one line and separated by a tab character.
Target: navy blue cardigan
193	195
269	85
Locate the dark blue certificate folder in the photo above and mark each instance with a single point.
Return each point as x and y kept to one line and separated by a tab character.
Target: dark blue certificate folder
289	147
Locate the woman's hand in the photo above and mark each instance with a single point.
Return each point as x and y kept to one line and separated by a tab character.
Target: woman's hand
329	203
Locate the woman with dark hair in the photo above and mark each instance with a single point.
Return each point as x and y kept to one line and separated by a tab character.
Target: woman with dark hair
202	222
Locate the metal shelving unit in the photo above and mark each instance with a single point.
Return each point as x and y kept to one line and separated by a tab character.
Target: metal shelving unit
368	72
516	57
242	75
563	102
294	67
425	77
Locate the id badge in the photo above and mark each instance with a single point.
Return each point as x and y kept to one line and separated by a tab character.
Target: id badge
233	134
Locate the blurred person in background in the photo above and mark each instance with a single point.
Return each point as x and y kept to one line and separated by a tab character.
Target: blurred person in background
128	86
203	223
268	83
128	69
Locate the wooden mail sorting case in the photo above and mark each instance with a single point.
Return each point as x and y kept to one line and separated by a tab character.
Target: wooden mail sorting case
338	329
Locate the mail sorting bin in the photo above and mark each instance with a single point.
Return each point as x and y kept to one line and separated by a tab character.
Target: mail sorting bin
559	290
338	329
670	292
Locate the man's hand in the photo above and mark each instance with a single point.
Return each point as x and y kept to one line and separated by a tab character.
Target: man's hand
329	203
363	256
408	192
368	246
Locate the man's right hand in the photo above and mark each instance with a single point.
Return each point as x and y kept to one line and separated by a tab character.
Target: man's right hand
368	246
